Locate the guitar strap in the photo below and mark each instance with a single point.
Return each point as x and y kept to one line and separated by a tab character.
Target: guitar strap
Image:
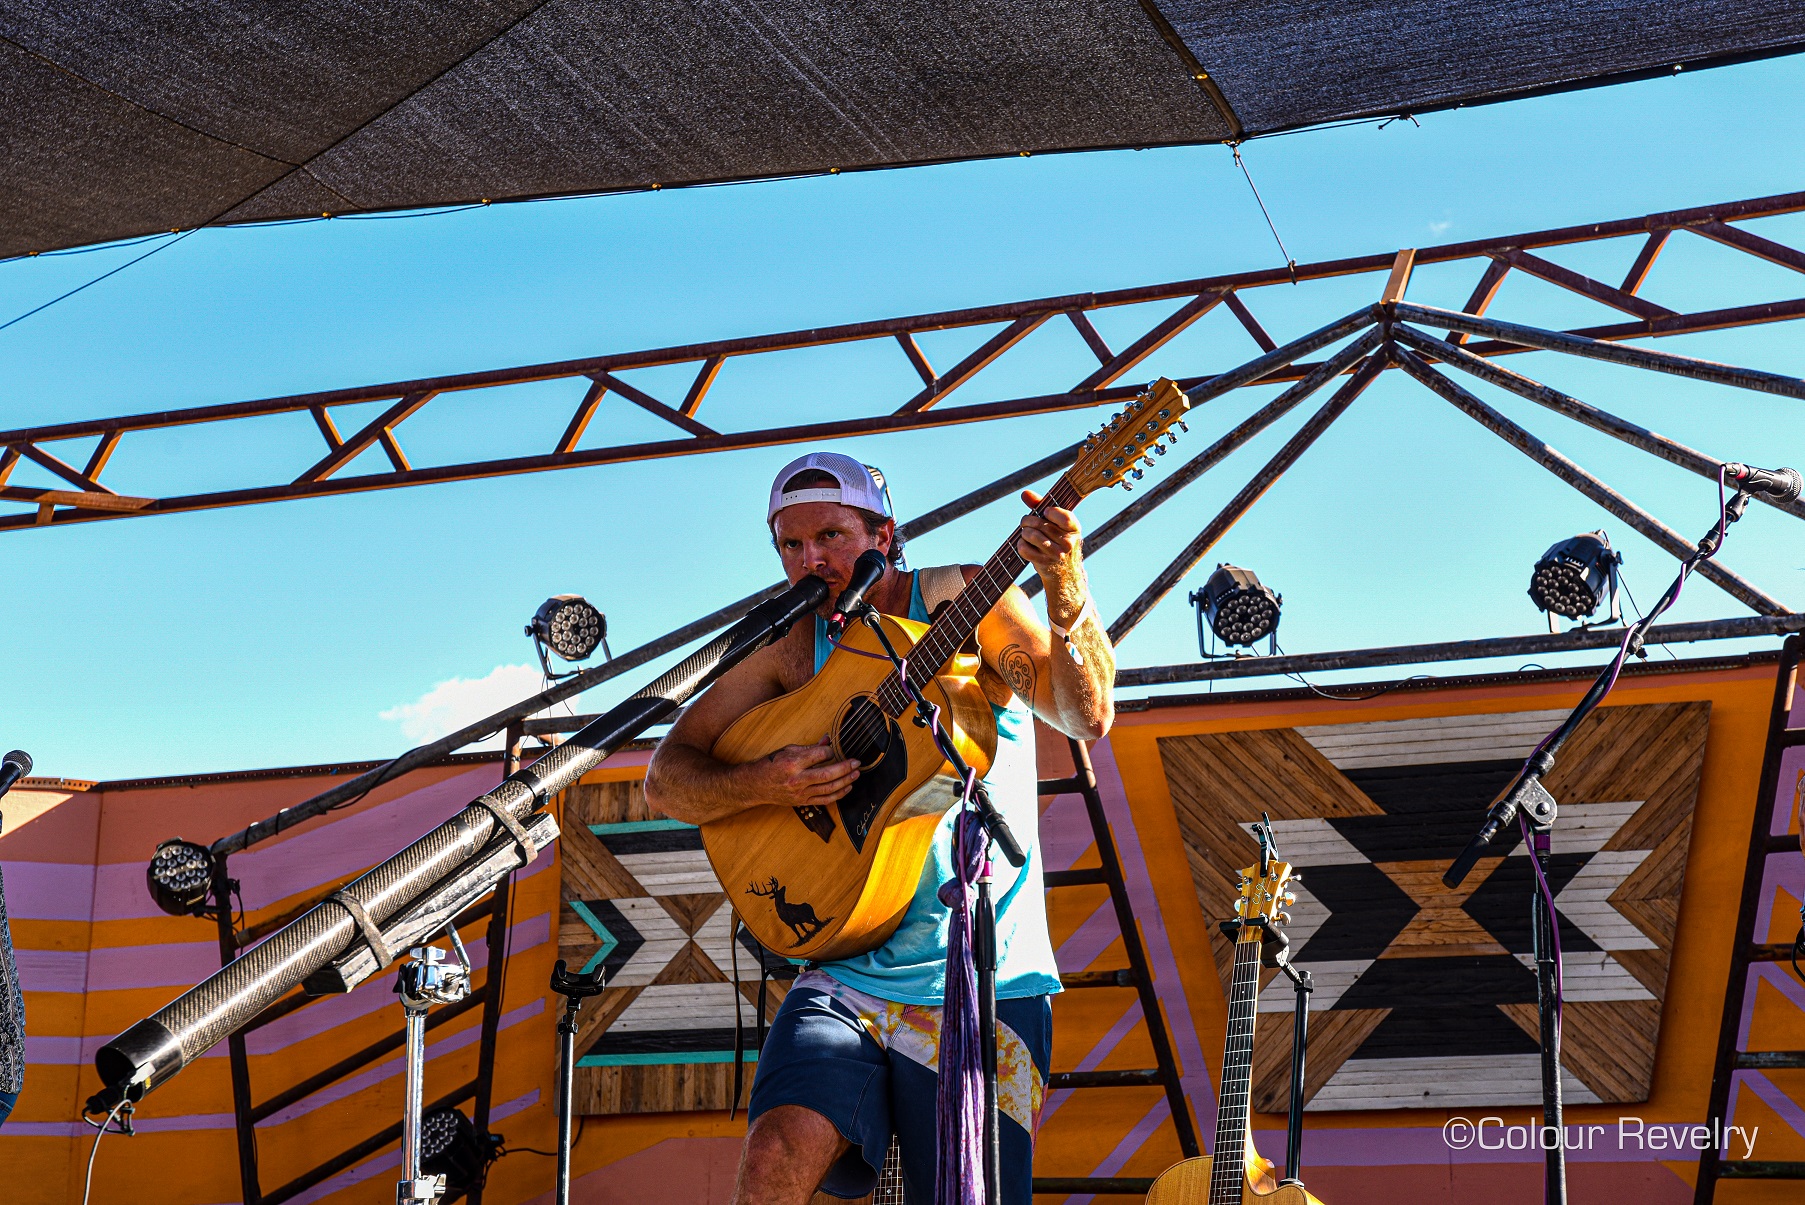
940	584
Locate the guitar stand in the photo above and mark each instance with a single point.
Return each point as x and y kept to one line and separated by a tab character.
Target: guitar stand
575	989
1304	984
984	921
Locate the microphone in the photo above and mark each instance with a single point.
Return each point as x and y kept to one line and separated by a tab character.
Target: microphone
867	572
13	767
1782	485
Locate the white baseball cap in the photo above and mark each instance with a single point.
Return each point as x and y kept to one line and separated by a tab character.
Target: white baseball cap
860	485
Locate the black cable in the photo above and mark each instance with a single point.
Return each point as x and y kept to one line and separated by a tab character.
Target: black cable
109	272
1317	690
88	1183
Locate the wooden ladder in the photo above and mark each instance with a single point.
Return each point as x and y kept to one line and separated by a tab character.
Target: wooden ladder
1137	974
1762	845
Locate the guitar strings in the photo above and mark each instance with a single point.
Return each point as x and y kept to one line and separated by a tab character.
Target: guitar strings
1228	1168
891	698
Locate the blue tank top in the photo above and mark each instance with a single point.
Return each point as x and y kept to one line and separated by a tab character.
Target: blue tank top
910	968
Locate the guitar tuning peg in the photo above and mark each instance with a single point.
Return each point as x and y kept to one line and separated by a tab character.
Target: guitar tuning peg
1183	426
1137	474
1147	460
1289	898
1159	449
1284	918
1128	487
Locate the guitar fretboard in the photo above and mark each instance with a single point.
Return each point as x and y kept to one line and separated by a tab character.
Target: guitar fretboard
1228	1165
955	624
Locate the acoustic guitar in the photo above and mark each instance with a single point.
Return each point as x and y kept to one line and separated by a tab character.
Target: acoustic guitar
1238	1174
839	877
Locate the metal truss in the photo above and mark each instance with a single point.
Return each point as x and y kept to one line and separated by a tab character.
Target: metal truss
320	469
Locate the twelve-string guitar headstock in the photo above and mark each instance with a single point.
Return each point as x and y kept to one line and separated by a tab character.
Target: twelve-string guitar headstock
1140	431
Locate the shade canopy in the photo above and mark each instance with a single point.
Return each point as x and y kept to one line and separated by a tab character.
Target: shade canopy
130	118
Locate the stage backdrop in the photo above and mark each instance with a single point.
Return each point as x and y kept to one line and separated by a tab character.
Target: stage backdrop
1423	1012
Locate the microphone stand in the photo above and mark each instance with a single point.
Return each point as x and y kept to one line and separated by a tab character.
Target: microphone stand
984	952
424	980
575	989
1528	802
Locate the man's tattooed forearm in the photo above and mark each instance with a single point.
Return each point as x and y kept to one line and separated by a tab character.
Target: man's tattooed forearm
1016	665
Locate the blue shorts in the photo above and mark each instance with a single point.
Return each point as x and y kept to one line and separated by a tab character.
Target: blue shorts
847	1056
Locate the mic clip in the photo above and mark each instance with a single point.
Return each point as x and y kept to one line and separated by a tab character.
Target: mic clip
841	620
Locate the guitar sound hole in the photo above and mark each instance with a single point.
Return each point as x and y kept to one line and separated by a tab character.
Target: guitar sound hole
863	733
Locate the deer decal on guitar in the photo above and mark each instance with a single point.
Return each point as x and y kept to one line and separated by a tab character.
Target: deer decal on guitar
800	918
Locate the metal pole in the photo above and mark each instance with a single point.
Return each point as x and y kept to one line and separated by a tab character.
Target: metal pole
1456	650
1667	449
567	1061
412	1108
1650	527
495	980
1250	493
1554	1130
1598	349
243	1118
1300	1041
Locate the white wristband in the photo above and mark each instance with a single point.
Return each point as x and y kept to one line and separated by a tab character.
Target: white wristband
1087	611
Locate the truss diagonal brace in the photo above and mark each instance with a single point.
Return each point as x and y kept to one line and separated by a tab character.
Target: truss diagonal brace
1166	330
973	364
1652	528
1599	420
67	472
1585	286
1250	493
652	405
1579	345
378	427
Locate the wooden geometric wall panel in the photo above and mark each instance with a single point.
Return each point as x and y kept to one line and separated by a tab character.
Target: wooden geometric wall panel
641	901
1425	997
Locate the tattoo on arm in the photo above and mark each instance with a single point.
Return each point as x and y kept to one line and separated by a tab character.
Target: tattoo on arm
1016	665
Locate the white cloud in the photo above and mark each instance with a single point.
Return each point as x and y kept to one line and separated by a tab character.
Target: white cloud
452	704
1440	227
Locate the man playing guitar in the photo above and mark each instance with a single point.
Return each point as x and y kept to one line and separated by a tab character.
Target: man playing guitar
851	1056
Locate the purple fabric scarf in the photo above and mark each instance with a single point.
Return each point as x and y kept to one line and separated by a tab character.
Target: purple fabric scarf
959	1167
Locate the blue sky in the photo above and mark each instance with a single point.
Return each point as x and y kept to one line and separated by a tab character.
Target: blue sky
329	629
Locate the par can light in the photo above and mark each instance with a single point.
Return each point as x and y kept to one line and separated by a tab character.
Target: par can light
1236	606
570	627
450	1147
180	876
1575	576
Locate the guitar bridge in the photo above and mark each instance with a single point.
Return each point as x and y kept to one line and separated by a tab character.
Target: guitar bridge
818	820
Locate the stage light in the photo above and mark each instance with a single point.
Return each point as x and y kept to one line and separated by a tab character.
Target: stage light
449	1147
1575	577
1237	607
570	627
180	876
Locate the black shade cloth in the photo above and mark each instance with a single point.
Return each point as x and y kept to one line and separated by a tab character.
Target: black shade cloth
126	117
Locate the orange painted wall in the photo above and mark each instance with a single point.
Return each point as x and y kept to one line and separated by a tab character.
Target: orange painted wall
98	957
